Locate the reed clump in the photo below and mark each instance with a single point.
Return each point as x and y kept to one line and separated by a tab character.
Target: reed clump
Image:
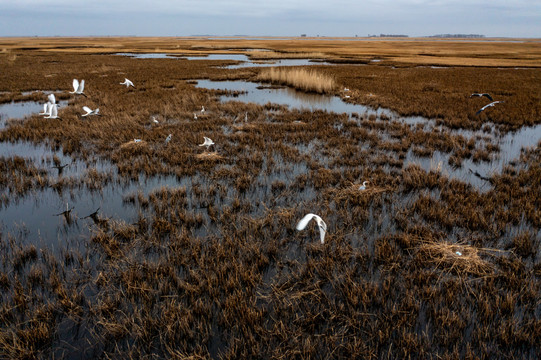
462	259
302	79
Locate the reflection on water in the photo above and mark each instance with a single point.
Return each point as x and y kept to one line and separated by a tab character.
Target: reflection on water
19	110
255	93
34	214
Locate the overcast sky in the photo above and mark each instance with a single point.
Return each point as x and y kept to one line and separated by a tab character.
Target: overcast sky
508	18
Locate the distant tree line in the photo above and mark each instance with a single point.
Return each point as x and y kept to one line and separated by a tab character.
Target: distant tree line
388	35
458	36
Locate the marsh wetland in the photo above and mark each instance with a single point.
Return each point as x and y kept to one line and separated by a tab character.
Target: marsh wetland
115	243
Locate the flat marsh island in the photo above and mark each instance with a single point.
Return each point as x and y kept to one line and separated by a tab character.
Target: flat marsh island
123	235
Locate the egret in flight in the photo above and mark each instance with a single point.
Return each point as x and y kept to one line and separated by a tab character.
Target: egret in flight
46	108
481	95
128	83
208	142
320	223
48	104
78	87
53	113
89	111
487	106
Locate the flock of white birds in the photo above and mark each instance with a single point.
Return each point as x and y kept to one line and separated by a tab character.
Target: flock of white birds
51	110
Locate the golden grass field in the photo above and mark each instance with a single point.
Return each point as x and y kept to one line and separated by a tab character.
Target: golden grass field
420	265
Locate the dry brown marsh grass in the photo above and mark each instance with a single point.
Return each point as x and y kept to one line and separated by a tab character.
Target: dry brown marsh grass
462	259
470	52
212	266
303	79
209	156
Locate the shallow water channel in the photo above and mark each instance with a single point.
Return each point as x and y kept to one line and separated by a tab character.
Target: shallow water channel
244	60
510	144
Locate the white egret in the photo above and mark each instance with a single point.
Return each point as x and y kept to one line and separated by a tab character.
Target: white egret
54	112
194	116
46	109
78	87
458	253
320	223
202	109
89	111
168	138
137	140
154	120
128	83
51	98
363	186
487	106
246	117
481	95
208	142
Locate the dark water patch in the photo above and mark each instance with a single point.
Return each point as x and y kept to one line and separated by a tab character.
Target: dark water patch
34	214
55	162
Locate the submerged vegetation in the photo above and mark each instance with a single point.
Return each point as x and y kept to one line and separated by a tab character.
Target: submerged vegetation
204	260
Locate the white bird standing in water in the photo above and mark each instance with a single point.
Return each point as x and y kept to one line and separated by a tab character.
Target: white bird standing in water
320	223
78	87
51	98
194	116
128	83
363	186
208	142
202	109
89	111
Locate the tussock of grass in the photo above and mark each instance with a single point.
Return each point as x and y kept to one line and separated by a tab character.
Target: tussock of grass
460	258
302	79
133	144
209	156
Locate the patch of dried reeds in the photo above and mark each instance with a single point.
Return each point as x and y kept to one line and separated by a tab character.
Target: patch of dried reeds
462	259
302	79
